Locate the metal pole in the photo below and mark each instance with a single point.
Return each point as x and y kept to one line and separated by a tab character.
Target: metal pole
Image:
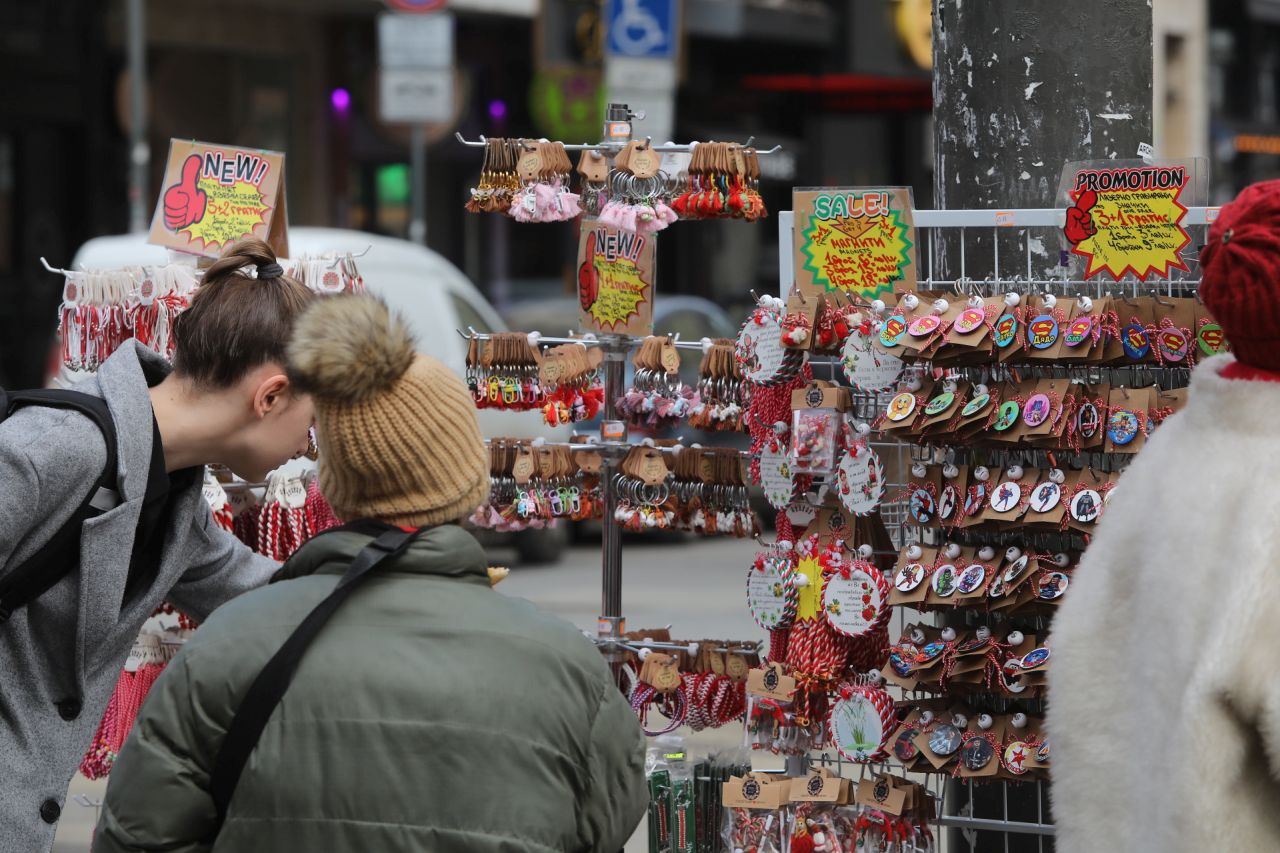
611	623
418	181
139	152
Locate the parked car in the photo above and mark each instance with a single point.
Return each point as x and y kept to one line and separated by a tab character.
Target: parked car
435	297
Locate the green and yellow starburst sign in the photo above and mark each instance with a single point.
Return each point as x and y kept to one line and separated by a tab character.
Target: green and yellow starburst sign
859	242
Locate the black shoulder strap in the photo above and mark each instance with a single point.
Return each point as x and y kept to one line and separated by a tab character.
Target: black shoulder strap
269	687
61	554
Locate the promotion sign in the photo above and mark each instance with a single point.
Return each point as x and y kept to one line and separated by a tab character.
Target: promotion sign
216	195
615	280
1126	216
859	242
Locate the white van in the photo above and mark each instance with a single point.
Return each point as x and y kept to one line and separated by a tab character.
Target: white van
434	296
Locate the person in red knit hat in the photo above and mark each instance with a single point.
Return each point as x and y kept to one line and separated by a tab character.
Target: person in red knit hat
1164	714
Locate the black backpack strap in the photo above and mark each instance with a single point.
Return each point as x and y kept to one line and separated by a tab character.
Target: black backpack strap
61	554
271	683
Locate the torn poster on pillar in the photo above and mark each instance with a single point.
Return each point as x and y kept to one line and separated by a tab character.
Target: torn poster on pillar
216	195
615	280
857	241
1127	217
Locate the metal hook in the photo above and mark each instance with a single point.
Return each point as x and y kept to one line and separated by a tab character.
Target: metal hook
349	256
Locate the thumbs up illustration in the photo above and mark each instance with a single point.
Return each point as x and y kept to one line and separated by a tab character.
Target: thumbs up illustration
588	284
1080	225
184	202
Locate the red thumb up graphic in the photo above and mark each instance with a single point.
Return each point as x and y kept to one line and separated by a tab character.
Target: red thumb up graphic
184	202
588	282
1080	225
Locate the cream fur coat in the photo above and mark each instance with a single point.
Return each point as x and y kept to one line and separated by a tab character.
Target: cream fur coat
1164	692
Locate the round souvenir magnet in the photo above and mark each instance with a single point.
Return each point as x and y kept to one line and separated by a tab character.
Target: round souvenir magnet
1086	506
860	723
948	501
1211	339
1079	331
902	406
977	753
1122	427
1015	757
759	349
777	478
998	588
924	325
944	581
972	579
977	404
772	597
972	644
1037	410
1016	568
1173	345
909	577
1035	657
930	652
860	479
970	320
1134	340
904	748
945	740
869	369
1006	497
1052	586
1045	497
940	403
1088	421
853	604
1042	332
976	499
1042	754
902	660
1006	330
1008	415
894	328
921	506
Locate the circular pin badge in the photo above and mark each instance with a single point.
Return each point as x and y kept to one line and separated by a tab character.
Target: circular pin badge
771	595
972	644
972	579
922	506
970	320
977	753
975	499
1042	754
860	479
1015	757
777	478
1086	506
945	740
894	328
1008	415
1134	340
1122	427
1052	586
1042	332
902	406
1035	657
1006	497
1173	345
1079	331
902	660
1088	421
924	326
940	403
909	577
930	652
869	369
945	581
948	502
1037	410
1016	568
1006	330
904	748
976	405
1211	339
1045	497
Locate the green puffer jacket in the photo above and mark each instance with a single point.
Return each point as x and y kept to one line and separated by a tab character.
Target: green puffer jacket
432	713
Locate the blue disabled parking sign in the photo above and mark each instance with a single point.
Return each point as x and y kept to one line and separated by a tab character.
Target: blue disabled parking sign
643	29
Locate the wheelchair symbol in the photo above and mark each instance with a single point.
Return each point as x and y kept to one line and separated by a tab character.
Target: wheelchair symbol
636	31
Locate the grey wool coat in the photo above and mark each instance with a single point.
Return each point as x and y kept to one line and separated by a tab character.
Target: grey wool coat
60	656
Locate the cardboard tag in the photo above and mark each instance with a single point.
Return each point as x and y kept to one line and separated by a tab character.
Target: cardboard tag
652	468
523	468
644	162
904	575
670	357
755	792
588	461
880	792
816	788
530	165
771	683
593	166
660	672
294	494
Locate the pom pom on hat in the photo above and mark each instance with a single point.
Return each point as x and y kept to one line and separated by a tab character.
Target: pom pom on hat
349	348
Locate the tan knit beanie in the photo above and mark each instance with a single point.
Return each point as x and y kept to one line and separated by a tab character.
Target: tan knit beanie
399	441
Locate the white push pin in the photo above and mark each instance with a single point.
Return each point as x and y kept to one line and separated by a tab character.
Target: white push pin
692	649
784	544
1015	638
1014	472
1061	560
948	635
538	442
983	634
1058	476
779	427
913	383
917	636
985	722
981	474
1012	300
706	345
589	336
914	552
648	442
975	301
911	302
1019	720
980	389
986	553
862	428
919	469
1049	301
950	471
878	306
533	338
1085	304
941	306
952	551
874	678
960	721
644	653
1013	554
865	551
950	386
926	717
800	581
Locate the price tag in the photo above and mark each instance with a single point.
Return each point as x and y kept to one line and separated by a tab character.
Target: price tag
295	494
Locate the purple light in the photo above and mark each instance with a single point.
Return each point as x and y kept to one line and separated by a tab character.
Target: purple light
340	99
497	110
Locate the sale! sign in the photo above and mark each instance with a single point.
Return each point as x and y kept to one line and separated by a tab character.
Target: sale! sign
859	242
216	195
615	280
1128	219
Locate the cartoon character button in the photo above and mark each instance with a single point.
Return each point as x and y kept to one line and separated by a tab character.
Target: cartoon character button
1086	506
902	406
969	321
931	651
924	325
909	577
1042	332
1045	497
945	740
1211	339
940	403
1006	330
976	405
1134	340
1008	415
904	747
976	499
1173	345
944	581
1035	657
894	328
1079	331
1122	427
921	506
1052	586
1037	410
1042	754
948	502
1016	569
972	579
1006	497
1088	421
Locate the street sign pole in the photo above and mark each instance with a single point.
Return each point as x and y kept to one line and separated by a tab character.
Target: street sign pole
418	175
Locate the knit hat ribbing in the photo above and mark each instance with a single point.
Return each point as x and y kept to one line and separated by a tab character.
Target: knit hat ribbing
399	439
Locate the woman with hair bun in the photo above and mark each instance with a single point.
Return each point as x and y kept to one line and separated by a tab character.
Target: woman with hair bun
149	536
